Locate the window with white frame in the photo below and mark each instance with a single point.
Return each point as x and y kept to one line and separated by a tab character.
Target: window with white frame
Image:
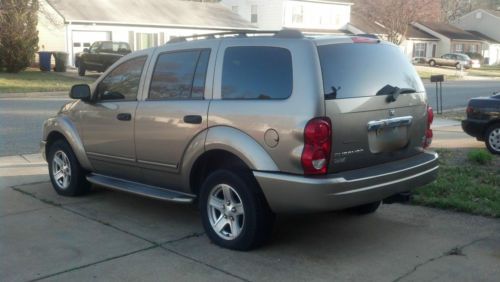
253	18
459	48
473	48
297	14
145	40
419	50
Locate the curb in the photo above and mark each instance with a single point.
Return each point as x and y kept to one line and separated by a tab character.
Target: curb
56	94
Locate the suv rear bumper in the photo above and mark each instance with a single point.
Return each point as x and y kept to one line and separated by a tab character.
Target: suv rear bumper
294	193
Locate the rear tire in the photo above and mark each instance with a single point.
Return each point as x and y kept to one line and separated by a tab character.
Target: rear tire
366	208
66	174
81	69
234	213
492	139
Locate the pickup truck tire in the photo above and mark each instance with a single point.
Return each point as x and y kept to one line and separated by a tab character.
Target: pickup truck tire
492	138
366	208
234	214
66	174
81	69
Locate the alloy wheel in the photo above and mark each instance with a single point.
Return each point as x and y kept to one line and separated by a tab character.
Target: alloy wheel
61	169
226	212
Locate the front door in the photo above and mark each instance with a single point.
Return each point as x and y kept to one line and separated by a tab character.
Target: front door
173	113
108	122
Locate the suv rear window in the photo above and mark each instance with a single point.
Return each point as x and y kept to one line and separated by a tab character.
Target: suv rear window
257	73
361	70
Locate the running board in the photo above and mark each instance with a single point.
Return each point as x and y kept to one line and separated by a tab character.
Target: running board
140	189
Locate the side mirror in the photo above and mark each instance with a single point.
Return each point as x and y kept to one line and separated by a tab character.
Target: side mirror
80	92
85	50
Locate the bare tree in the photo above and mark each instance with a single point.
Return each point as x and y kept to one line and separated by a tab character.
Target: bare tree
397	15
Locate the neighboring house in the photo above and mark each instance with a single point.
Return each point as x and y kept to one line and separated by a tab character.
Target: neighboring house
310	16
452	39
417	43
71	26
487	23
491	48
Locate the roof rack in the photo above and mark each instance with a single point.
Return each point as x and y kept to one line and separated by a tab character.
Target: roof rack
284	33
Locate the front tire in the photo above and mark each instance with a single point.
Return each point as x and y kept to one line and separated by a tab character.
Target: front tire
81	69
492	139
66	174
432	63
458	66
234	213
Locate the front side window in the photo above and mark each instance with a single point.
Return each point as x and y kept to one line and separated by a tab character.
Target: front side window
122	83
179	75
94	47
257	73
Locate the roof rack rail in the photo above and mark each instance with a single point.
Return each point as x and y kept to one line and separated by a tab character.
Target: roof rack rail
284	33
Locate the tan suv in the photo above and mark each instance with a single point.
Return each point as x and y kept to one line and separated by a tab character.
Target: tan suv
247	127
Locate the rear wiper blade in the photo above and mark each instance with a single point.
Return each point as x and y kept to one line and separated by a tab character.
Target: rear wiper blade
393	92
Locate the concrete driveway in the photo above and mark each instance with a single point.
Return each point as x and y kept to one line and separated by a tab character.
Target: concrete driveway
114	236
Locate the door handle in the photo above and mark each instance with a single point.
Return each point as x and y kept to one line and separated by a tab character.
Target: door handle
194	119
124	116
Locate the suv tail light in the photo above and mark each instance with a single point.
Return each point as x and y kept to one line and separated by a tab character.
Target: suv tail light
428	130
317	146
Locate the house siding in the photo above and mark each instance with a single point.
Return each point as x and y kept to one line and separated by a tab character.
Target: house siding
269	12
486	23
51	29
444	43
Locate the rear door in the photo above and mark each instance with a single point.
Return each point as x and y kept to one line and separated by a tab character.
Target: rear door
174	112
371	123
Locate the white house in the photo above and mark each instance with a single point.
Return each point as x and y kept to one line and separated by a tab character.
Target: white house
310	16
487	23
71	26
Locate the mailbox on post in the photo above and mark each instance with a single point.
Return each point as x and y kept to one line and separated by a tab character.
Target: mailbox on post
438	79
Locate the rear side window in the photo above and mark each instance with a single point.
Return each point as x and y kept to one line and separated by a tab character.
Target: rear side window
361	70
179	75
257	73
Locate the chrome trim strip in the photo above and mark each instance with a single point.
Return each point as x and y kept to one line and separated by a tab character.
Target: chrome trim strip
109	156
157	164
384	184
391	122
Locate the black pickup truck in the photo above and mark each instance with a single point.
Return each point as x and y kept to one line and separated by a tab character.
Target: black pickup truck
100	56
483	121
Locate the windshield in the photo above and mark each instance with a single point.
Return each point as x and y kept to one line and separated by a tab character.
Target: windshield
361	70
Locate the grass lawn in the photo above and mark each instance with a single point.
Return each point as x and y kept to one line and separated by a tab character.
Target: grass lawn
488	71
33	80
464	184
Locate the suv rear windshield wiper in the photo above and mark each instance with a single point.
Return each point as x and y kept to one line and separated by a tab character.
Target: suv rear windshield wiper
393	92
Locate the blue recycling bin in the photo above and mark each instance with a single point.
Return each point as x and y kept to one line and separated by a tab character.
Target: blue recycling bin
44	57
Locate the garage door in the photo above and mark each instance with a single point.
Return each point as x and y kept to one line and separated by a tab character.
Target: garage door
83	39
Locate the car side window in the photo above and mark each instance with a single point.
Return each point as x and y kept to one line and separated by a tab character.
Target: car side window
256	72
94	47
122	83
179	75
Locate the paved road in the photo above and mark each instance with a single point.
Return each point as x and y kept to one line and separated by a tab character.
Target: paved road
21	119
457	93
21	123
